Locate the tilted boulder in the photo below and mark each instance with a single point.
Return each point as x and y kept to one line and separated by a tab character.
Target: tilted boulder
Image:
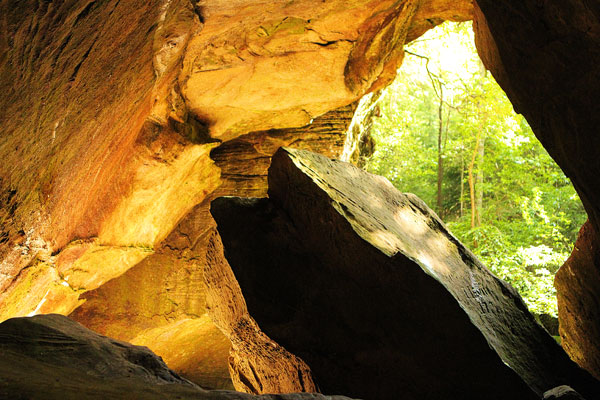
370	289
52	357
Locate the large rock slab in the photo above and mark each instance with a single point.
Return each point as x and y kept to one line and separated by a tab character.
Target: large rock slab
53	357
370	289
161	302
110	110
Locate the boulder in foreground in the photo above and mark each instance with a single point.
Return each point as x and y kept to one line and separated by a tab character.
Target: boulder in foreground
369	288
52	357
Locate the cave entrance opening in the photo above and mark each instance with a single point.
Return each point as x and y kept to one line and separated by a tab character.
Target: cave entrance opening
446	131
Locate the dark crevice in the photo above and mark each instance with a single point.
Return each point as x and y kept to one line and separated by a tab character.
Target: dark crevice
84	12
193	129
85	56
199	11
256	378
61	48
301	379
246	382
325	44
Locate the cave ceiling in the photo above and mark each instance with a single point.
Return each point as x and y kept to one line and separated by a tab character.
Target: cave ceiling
121	121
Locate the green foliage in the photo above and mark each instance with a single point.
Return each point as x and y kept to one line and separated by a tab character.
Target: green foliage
530	213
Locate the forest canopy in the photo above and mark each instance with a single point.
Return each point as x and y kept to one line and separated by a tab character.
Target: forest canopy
447	132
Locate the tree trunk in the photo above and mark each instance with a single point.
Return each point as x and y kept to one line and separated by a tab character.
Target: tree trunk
462	183
474	216
482	115
479	183
440	163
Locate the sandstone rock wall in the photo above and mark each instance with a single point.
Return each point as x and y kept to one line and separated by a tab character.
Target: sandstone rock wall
161	302
111	110
120	119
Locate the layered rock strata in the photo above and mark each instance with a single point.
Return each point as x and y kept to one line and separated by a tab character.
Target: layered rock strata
111	111
161	302
52	357
367	286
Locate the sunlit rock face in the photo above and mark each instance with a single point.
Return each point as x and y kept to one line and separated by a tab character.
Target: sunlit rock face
94	176
111	111
52	357
258	65
120	119
367	286
161	302
545	55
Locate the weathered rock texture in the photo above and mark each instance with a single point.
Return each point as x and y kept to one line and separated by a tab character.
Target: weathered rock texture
96	173
111	110
527	45
52	357
368	287
296	60
159	301
578	286
257	363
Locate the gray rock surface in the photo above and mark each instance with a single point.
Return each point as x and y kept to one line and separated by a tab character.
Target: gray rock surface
53	357
370	289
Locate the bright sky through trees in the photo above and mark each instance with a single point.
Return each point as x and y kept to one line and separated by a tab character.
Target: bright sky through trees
448	133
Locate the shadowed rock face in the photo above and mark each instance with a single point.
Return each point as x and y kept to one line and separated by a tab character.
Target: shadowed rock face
545	55
532	43
52	357
578	286
367	286
562	393
119	119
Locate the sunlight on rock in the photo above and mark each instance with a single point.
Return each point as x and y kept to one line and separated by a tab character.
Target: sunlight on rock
162	192
123	121
193	348
83	274
409	222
